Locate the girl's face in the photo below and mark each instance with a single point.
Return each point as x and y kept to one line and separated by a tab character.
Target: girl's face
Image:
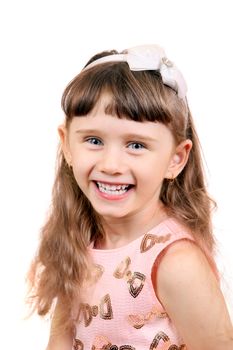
120	164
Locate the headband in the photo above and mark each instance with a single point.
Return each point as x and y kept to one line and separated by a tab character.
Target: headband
149	57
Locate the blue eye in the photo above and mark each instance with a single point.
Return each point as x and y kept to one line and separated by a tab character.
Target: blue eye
94	141
136	145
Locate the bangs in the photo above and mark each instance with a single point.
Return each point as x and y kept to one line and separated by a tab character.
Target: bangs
135	95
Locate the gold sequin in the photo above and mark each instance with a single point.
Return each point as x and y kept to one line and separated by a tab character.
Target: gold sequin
94	310
159	336
87	312
139	320
99	269
149	240
102	343
78	345
122	269
106	308
95	274
132	279
134	287
159	314
128	275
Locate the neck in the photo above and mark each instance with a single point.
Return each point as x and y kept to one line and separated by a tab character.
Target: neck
121	231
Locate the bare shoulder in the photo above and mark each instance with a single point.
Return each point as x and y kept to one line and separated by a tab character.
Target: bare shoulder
182	269
190	292
182	260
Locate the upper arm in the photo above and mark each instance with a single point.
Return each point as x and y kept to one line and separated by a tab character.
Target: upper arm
60	342
191	295
60	339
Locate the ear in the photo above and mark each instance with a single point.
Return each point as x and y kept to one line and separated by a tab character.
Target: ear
63	134
179	159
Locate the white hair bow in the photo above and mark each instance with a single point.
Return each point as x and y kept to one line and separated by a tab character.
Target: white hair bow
149	57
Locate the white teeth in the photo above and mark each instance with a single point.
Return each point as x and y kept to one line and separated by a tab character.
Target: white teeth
112	189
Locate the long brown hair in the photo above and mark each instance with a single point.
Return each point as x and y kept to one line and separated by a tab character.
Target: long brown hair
62	262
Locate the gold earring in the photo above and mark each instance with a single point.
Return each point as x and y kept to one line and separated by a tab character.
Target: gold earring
171	180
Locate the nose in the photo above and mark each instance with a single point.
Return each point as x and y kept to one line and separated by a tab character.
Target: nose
111	162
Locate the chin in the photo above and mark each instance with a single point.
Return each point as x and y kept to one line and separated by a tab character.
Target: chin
111	214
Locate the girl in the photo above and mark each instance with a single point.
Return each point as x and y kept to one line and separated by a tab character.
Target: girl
126	253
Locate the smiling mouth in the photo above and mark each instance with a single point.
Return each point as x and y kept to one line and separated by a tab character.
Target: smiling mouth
115	189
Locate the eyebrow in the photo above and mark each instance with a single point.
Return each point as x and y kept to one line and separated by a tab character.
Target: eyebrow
127	136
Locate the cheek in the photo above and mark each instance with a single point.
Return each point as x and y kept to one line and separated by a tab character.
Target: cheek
153	172
81	180
80	171
80	159
82	168
156	165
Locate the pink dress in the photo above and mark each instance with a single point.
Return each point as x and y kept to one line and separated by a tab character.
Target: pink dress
121	311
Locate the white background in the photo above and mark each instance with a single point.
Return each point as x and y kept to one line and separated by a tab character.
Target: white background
43	45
